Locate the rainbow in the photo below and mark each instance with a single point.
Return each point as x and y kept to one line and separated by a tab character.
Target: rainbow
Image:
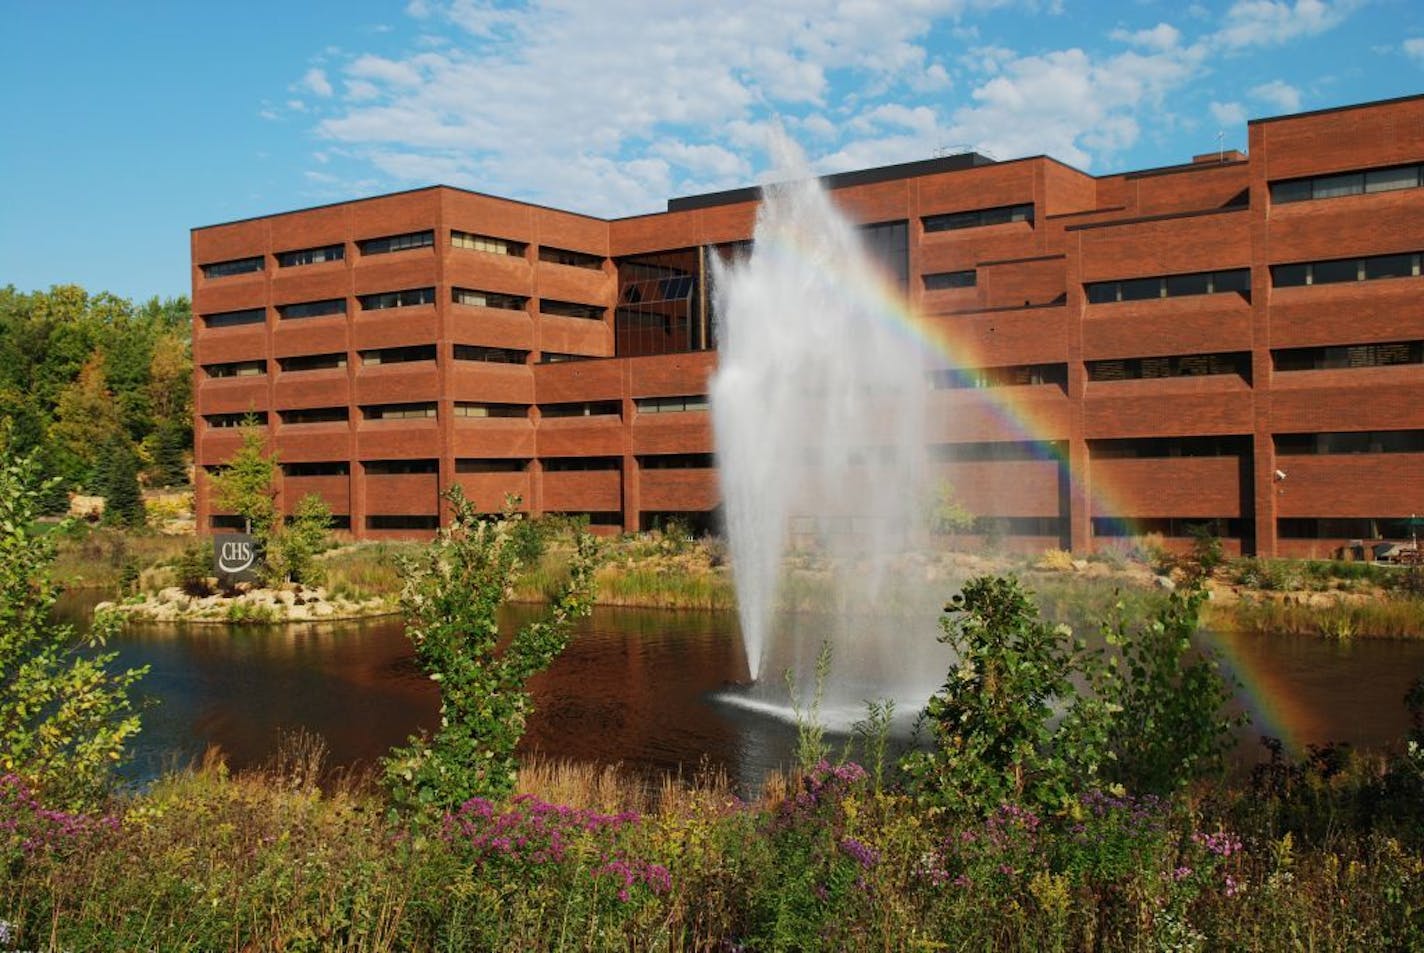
936	339
1273	706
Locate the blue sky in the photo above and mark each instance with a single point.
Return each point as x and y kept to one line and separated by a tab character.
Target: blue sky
128	123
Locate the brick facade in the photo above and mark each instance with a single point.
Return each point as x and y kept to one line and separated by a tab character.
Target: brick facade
1167	408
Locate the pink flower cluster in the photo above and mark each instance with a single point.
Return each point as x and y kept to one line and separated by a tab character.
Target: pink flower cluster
1222	843
531	831
861	853
632	872
28	825
535	833
824	782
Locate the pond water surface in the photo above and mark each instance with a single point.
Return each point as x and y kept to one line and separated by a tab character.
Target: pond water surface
638	687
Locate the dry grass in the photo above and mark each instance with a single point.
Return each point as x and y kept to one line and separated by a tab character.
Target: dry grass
95	558
1387	617
606	788
364	570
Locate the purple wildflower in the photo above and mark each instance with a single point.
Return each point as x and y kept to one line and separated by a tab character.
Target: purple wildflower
861	853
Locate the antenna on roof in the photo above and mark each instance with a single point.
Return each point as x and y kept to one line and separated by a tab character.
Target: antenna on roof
1220	146
963	148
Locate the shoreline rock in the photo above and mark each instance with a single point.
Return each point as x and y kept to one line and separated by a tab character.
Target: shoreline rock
297	604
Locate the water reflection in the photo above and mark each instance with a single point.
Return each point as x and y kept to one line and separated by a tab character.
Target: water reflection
636	687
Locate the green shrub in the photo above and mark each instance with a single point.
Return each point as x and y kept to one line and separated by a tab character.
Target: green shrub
292	550
65	716
1168	726
1008	724
194	568
451	597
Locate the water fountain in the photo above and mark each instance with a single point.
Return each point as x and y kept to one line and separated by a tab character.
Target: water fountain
818	410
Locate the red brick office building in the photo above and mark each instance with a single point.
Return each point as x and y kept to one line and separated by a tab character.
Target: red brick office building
1235	340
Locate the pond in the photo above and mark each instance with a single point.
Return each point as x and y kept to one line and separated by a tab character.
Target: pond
643	688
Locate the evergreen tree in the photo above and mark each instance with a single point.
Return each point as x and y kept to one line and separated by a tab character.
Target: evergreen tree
247	485
170	448
117	481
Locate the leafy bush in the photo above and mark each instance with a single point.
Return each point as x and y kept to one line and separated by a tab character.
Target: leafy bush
452	594
1266	574
998	734
1207	553
65	717
1169	725
292	549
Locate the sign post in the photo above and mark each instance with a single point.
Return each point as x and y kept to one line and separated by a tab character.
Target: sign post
235	559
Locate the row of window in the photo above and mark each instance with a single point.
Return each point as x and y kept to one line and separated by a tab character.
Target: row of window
1010	376
1351	441
999	451
487	243
1099	292
1160	448
1403	265
428	409
1169	286
671	405
337	359
393	243
945	280
656	461
998	215
1297	527
1376	527
1337	357
1342	270
992	526
1348	356
1155	448
412	297
409	298
1132	368
403	242
1180	365
1178	527
1346	183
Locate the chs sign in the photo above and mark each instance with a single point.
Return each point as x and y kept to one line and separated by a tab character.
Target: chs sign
235	556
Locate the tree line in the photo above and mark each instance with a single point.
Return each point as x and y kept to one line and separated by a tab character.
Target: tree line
99	390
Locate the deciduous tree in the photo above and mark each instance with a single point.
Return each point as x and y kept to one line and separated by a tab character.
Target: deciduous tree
65	713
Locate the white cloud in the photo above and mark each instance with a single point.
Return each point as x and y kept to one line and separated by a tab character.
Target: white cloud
382	70
1070	104
574	83
934	77
1414	48
1228	114
989	59
1275	22
315	81
704	160
816	125
1163	36
919	119
602	108
360	90
1279	94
